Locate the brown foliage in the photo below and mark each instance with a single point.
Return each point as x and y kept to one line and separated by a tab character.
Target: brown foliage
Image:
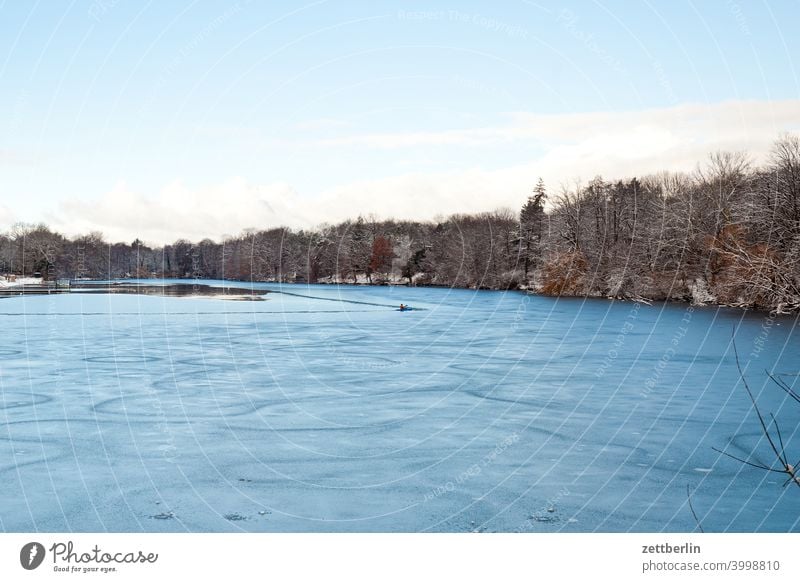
382	254
565	274
743	272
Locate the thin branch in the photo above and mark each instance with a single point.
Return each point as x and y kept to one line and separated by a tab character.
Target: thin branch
757	466
691	507
784	386
782	456
786	469
753	400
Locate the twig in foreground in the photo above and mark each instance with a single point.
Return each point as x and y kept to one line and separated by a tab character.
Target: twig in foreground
780	453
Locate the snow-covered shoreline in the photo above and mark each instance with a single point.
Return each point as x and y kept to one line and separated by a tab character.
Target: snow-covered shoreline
20	281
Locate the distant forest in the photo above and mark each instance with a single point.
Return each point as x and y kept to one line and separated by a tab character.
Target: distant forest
727	233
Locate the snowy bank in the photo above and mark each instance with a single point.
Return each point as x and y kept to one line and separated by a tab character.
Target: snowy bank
11	281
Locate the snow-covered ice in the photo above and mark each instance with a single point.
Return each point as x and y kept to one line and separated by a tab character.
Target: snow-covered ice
324	409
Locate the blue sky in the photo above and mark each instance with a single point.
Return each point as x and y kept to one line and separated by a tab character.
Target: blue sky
168	119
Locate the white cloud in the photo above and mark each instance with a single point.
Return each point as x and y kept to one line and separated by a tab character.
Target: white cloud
613	144
180	212
730	123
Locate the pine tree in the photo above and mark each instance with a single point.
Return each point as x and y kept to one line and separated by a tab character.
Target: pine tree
531	218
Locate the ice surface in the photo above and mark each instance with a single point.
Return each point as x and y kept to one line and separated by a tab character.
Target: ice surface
323	408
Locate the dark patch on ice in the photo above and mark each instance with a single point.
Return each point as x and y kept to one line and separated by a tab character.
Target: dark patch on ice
171	290
546	515
201	360
163	515
235	517
121	359
341	300
136	406
15	399
539	403
312	355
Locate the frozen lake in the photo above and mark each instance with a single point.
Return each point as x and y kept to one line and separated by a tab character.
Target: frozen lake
328	410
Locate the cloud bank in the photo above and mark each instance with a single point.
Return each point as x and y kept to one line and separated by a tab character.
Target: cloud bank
581	145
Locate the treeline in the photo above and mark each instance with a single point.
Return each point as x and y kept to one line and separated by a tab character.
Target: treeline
727	233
